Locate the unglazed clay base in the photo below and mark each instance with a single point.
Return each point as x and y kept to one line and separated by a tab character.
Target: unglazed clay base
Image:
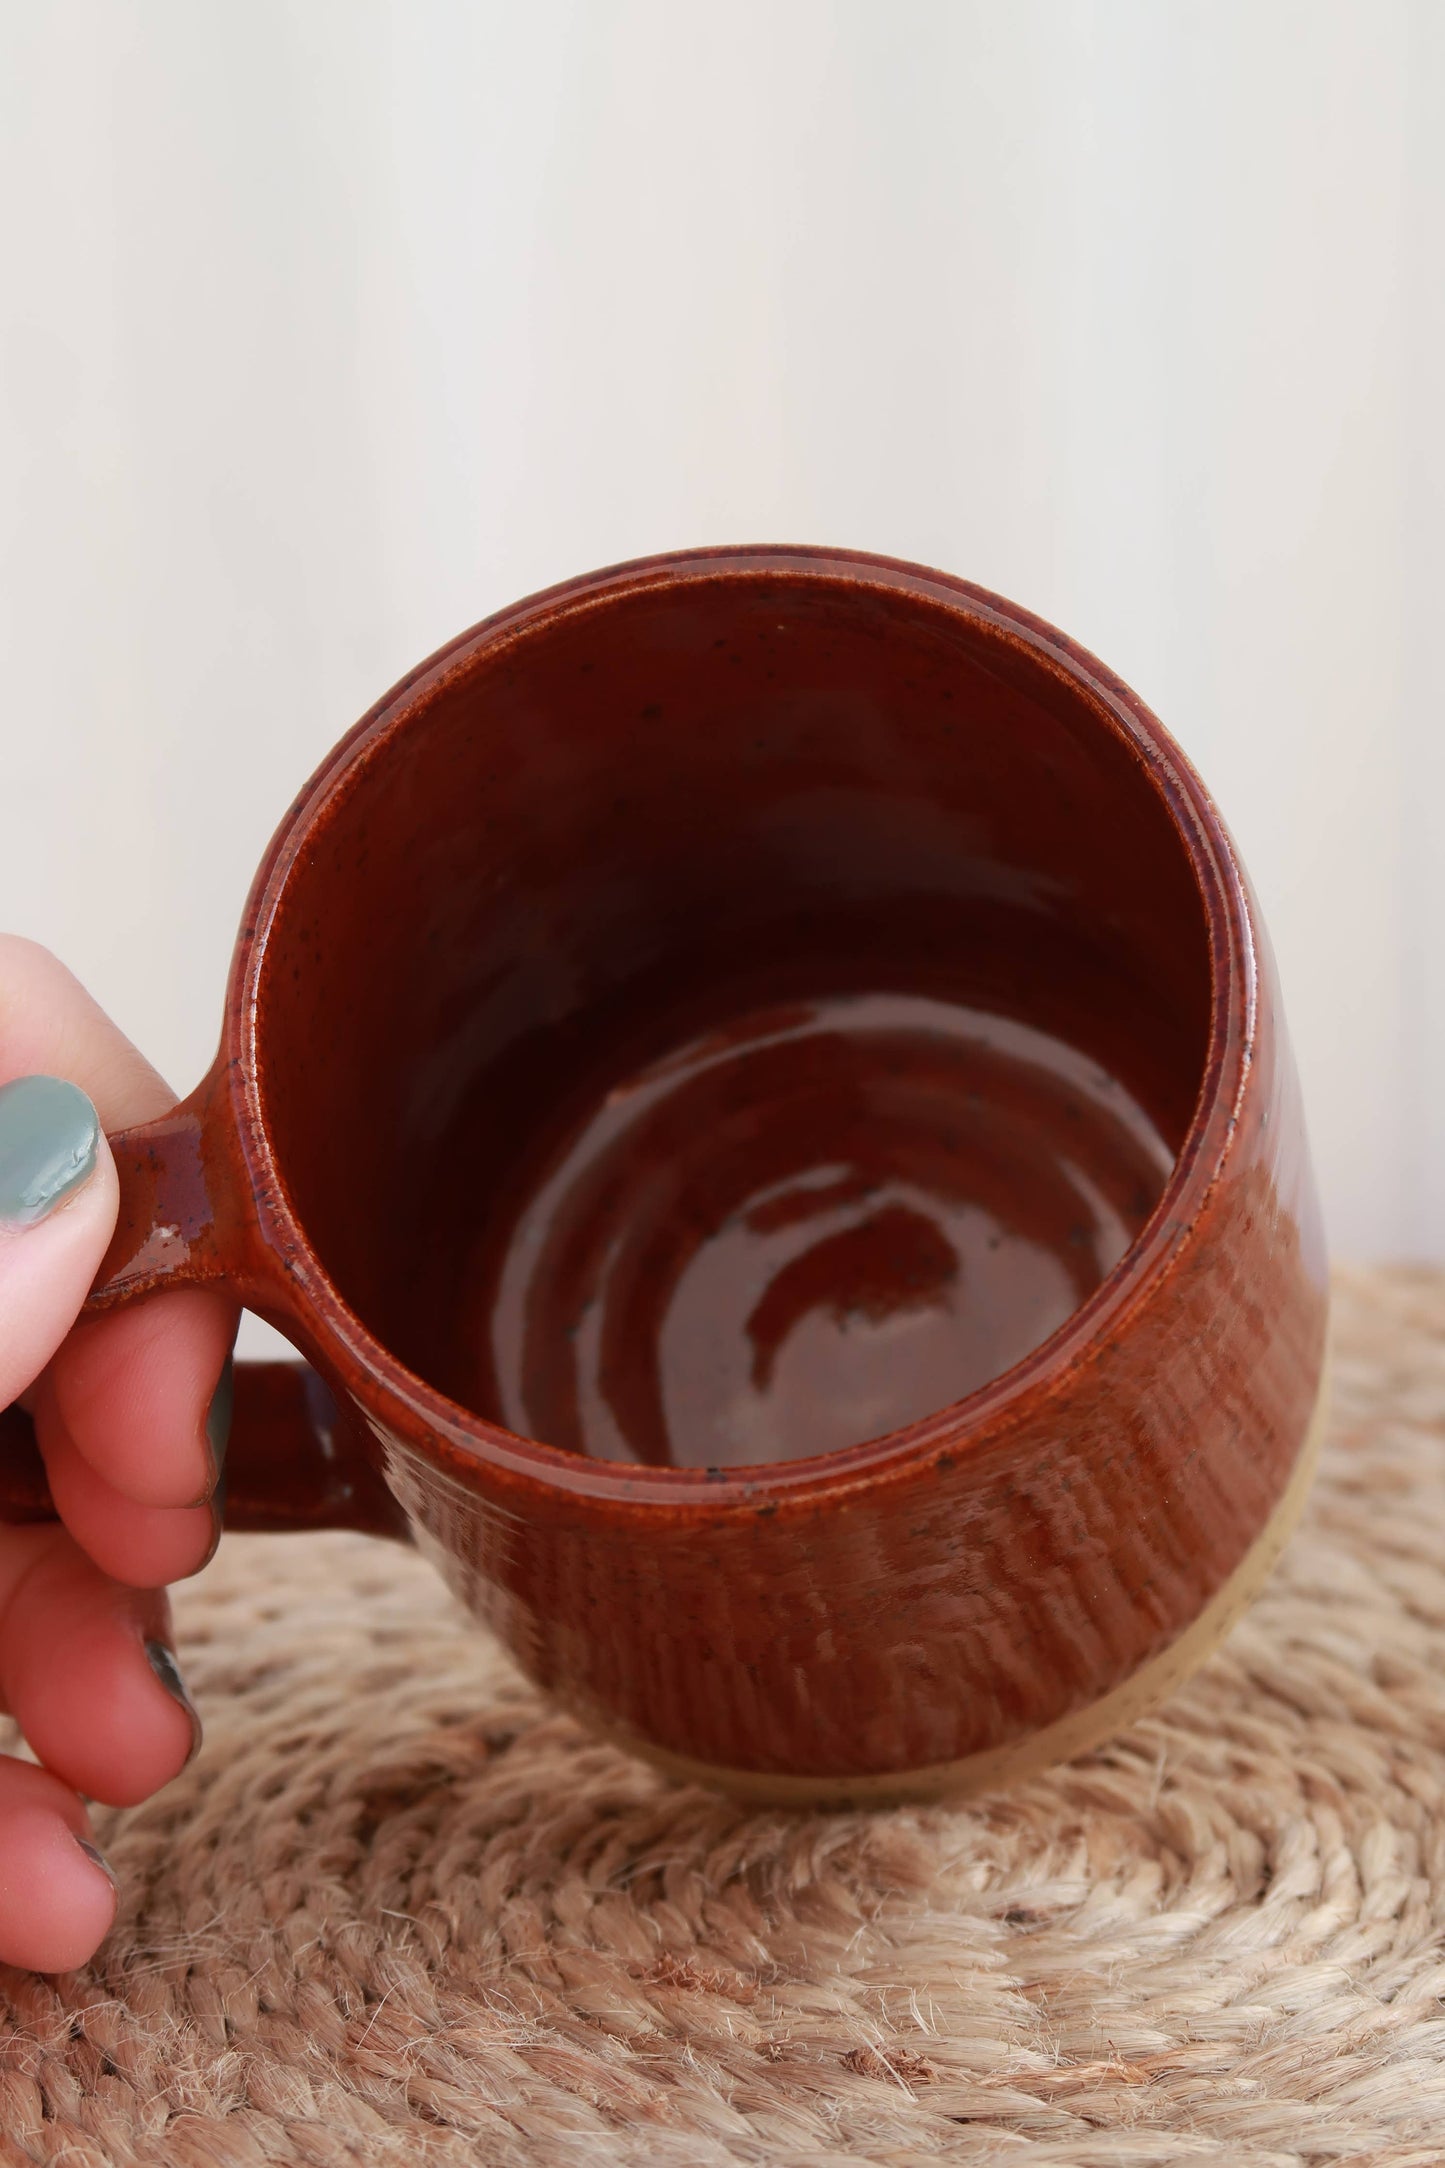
1074	1734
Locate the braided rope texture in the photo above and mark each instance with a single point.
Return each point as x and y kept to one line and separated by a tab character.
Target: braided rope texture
400	1911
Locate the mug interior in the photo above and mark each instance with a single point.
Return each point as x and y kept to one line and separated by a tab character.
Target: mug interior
725	1018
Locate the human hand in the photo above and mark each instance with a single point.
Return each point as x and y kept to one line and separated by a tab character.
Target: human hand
121	1405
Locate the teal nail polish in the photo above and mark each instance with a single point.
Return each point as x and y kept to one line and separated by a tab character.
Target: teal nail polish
49	1137
218	1418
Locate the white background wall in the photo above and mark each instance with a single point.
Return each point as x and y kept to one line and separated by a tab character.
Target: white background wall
330	325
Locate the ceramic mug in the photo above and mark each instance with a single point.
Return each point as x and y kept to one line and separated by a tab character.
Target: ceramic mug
756	1083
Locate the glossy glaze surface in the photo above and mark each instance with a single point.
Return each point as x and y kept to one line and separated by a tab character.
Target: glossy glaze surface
800	1230
579	840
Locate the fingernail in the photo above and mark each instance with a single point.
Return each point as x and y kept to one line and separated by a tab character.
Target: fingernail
162	1661
49	1136
217	1504
97	1858
218	1420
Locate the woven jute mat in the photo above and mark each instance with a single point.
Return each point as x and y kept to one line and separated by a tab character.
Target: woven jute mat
399	1910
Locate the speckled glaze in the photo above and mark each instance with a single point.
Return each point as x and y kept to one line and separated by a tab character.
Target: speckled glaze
732	798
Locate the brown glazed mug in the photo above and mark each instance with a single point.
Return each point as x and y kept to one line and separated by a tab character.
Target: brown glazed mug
756	1083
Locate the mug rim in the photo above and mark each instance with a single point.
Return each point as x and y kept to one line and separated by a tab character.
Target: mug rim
454	1436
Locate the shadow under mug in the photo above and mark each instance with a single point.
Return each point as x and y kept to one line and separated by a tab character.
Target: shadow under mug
756	1082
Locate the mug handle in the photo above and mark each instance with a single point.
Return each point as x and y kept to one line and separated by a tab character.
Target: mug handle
296	1458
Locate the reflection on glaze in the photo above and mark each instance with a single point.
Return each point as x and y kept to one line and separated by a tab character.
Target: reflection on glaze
808	1229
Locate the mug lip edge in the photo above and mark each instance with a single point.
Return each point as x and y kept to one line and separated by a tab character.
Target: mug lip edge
470	1449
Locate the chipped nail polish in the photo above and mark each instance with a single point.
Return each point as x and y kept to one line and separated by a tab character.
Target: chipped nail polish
162	1661
97	1858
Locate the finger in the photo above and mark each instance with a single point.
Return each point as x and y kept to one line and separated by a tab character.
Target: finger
57	1895
142	1546
138	1387
87	1670
50	1025
144	1396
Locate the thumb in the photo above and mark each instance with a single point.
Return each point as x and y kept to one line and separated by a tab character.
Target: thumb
58	1202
